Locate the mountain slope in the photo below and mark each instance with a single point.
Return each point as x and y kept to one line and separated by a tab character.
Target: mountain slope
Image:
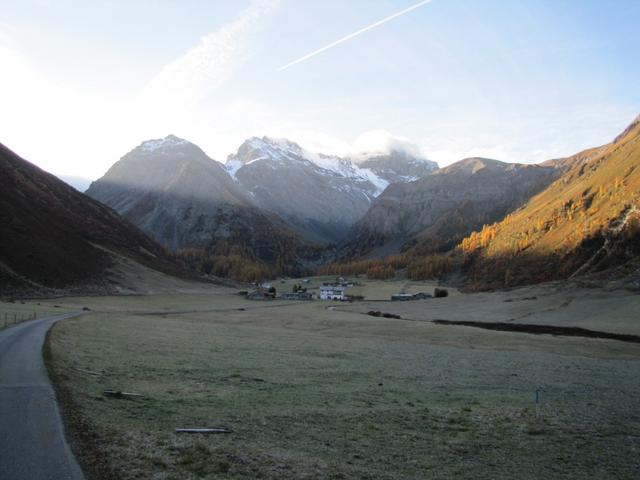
320	196
171	190
586	221
436	211
174	192
54	236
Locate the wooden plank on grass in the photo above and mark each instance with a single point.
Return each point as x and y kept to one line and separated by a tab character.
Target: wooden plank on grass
115	394
203	430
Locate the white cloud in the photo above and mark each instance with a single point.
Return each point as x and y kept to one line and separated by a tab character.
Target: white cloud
320	142
192	77
82	132
381	141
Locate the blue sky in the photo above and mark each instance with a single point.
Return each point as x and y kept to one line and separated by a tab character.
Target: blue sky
521	81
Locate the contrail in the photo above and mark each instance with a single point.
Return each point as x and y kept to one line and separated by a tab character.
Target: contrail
355	34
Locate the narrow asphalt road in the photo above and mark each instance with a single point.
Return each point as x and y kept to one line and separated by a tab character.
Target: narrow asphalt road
32	440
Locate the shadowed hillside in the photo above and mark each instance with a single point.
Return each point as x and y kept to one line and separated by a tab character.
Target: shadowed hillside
54	236
175	193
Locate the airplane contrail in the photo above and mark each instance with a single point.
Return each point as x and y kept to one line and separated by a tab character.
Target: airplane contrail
355	34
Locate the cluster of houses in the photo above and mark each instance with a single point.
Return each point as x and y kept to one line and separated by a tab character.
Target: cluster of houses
402	297
328	291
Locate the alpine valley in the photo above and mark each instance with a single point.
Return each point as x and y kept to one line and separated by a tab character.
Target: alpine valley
289	210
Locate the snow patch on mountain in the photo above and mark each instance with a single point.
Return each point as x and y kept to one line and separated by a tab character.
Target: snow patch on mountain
232	166
281	151
161	143
378	182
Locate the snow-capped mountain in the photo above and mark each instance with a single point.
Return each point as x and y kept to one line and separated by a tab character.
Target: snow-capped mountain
320	196
174	192
396	166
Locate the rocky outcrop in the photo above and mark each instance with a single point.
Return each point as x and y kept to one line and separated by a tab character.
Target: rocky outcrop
319	196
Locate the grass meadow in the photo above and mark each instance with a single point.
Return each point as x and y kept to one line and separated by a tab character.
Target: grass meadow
319	390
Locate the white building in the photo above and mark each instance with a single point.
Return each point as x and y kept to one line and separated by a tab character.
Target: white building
330	292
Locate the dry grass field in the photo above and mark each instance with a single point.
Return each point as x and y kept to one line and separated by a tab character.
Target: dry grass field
321	390
18	311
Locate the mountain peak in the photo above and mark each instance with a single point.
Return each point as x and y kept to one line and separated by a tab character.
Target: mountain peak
473	165
283	143
266	148
280	144
632	130
160	143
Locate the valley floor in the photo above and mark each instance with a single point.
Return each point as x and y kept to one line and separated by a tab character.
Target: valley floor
323	390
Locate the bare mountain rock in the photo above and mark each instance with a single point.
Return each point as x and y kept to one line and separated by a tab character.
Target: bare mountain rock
396	166
437	210
320	196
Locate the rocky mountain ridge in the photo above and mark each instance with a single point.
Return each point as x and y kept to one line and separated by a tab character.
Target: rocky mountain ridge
172	190
437	210
320	196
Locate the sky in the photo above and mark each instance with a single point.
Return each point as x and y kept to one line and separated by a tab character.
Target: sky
83	83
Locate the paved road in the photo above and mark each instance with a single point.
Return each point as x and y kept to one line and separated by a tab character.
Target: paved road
32	441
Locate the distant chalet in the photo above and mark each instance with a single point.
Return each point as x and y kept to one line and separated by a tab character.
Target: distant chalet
332	292
400	297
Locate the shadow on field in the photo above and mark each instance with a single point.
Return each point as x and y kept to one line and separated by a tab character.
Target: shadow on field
542	330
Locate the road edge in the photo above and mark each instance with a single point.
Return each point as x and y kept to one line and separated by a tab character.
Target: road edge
77	431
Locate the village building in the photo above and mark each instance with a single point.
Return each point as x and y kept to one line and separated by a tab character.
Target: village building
297	296
422	296
331	292
399	297
262	293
